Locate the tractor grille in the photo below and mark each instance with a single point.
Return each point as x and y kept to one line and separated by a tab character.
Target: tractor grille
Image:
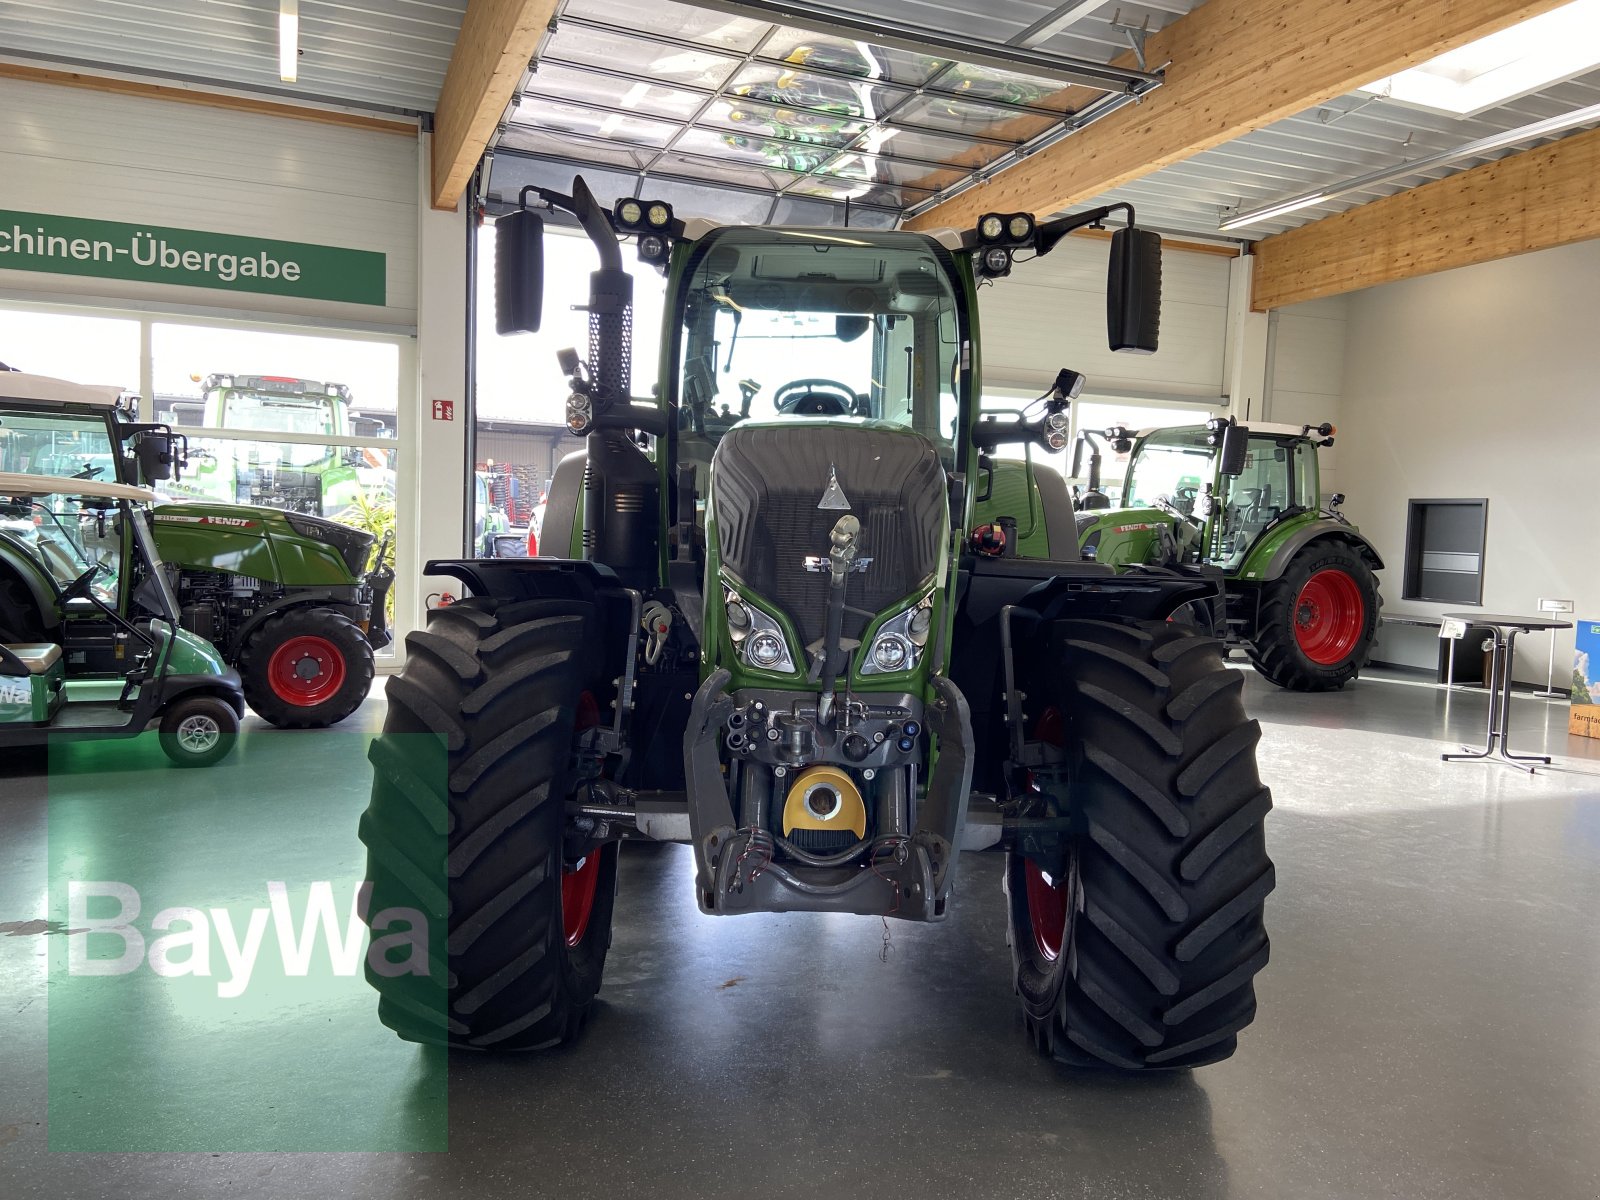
766	482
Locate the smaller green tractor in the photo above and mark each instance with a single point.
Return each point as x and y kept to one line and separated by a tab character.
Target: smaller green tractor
1302	593
288	598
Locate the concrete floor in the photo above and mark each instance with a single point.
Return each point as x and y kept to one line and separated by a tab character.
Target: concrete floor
1429	1025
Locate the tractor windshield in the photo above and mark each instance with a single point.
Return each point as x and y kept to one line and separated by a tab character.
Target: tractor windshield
1170	464
36	442
780	323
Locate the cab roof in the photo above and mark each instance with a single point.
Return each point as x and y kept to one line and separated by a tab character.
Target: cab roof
19	385
12	484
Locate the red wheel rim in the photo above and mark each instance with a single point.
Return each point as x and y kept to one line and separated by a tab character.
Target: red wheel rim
1047	900
1329	616
578	888
306	670
1047	912
580	882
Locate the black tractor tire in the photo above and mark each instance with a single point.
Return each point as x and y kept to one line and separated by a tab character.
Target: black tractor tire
198	730
20	618
474	839
1317	620
1156	920
316	640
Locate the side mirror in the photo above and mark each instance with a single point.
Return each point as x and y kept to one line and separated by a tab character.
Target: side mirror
1235	449
154	454
518	272
1133	291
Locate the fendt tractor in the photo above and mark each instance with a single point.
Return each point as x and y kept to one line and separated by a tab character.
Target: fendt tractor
779	638
295	602
1302	594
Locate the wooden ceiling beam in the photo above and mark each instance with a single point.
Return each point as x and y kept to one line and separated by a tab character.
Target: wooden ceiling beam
1236	65
1529	201
498	38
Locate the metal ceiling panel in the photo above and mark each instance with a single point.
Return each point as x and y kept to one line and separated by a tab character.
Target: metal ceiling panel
728	92
384	54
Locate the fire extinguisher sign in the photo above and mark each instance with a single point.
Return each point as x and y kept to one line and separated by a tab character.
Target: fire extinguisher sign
444	410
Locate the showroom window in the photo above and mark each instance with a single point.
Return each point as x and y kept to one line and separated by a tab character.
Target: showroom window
301	420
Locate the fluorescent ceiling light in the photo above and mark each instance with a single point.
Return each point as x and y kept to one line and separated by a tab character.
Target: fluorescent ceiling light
288	40
1294	204
1540	51
1475	149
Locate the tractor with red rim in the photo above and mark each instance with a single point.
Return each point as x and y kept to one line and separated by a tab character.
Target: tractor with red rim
1302	590
768	620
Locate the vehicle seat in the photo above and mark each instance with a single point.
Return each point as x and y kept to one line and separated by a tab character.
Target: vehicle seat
38	657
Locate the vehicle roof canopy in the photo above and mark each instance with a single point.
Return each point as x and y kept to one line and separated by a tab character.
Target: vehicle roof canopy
12	484
19	385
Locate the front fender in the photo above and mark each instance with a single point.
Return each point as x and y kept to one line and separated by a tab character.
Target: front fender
1273	553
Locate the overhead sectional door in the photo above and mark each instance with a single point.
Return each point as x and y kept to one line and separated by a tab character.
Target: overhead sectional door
1051	314
257	193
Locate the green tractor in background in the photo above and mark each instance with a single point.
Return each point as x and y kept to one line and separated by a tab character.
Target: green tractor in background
1302	590
314	479
766	624
295	602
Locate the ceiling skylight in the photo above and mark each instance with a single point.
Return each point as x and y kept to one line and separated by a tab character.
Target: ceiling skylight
1546	49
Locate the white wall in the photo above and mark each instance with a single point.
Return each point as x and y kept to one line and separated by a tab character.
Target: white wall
1483	381
74	152
442	489
1306	374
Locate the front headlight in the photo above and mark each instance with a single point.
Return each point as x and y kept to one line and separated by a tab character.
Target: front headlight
757	636
900	641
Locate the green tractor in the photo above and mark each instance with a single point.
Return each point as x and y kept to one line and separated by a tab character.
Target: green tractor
288	598
776	635
1301	579
298	603
313	479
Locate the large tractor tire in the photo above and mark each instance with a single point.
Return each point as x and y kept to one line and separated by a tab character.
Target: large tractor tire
1318	620
306	668
474	839
1142	954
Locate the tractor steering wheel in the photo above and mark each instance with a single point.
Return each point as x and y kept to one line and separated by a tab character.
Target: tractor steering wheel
80	585
815	398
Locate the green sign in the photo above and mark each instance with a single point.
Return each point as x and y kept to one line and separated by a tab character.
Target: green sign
192	257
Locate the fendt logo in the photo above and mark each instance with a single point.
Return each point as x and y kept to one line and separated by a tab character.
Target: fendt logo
235	522
187	949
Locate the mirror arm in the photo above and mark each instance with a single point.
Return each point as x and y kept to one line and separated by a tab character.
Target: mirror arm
1047	235
595	220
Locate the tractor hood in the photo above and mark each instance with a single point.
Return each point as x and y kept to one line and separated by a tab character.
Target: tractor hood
782	495
263	543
